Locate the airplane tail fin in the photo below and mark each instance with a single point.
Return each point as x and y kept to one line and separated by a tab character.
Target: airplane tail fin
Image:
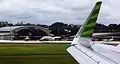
87	29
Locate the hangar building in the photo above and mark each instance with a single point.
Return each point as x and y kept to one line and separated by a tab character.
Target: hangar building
21	32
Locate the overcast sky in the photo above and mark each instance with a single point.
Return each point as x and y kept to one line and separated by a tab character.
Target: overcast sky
50	11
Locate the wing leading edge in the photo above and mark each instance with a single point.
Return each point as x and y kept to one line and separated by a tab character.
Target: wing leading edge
82	48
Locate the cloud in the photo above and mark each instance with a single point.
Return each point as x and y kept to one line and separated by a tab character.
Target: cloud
50	11
110	12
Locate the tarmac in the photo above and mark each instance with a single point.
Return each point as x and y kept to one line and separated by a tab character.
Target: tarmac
31	41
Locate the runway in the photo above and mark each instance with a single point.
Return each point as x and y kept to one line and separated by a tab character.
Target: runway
22	41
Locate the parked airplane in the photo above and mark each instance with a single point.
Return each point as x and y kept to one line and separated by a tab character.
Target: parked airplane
87	52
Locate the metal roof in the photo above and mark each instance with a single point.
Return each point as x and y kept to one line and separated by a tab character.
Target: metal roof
12	28
9	28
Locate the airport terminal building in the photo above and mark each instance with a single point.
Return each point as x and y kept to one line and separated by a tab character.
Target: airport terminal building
21	32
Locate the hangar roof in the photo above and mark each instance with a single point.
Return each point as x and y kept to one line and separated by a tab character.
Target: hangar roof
9	28
12	28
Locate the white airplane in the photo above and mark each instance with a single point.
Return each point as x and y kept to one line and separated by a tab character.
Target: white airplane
85	51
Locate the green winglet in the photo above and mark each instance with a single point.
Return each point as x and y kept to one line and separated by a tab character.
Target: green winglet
90	23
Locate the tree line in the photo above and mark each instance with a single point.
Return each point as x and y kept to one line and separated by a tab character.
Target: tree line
60	28
110	28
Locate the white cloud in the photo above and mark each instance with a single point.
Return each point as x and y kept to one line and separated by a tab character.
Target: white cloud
49	11
110	12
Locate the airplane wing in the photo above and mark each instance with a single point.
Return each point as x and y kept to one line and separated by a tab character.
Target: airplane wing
99	54
84	51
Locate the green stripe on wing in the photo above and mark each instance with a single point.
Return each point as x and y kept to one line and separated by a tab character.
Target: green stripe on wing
91	21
